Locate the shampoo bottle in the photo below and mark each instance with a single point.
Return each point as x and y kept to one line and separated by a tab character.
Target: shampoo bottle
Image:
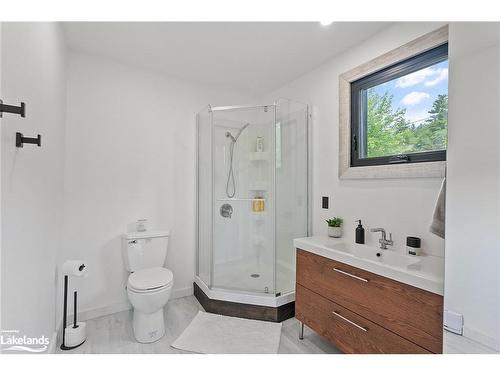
259	144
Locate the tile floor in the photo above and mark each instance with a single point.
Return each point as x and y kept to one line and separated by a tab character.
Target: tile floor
456	344
113	333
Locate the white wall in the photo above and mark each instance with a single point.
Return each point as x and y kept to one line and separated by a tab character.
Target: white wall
130	154
403	207
473	193
1	26
33	71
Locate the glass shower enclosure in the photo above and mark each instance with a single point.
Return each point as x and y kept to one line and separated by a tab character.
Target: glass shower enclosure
252	200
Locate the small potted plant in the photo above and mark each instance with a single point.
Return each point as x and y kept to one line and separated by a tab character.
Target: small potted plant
335	227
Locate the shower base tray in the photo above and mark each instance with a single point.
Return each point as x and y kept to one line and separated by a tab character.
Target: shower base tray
244	310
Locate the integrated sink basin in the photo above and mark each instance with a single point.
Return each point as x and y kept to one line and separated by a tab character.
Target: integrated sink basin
386	257
425	272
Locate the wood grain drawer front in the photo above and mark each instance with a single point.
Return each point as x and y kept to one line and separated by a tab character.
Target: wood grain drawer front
348	331
410	312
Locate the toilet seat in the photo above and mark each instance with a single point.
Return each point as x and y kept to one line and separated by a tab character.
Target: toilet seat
150	280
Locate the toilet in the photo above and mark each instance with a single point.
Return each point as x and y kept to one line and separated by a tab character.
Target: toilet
149	284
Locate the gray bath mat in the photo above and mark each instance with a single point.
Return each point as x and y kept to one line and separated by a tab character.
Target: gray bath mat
218	334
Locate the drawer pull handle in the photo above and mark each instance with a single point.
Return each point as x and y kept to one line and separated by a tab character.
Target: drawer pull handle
350	321
350	275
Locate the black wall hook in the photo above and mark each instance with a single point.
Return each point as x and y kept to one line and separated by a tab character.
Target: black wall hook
20	140
21	110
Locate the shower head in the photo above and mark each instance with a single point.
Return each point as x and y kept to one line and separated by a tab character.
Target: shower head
235	138
229	135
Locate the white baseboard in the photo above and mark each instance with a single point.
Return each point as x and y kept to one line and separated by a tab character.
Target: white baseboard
481	338
184	292
101	311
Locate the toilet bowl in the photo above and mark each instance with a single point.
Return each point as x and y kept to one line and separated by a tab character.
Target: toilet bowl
148	291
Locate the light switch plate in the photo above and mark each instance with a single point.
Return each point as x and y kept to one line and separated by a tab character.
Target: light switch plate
453	322
324	202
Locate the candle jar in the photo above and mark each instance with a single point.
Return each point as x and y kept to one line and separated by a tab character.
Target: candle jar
413	246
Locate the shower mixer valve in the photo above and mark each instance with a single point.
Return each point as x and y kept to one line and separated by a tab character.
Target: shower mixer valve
226	210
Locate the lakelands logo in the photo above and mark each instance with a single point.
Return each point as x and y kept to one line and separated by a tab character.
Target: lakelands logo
11	340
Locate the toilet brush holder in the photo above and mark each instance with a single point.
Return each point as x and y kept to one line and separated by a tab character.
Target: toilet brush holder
75	335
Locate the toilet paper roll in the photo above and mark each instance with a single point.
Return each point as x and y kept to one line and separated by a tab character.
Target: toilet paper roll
74	268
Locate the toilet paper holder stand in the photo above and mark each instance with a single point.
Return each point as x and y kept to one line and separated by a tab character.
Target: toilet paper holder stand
80	331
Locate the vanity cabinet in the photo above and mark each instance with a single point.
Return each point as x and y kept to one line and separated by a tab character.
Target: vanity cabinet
361	312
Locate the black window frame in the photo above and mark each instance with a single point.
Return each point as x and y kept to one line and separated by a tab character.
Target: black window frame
358	109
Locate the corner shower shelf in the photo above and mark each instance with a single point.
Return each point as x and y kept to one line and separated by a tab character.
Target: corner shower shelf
259	156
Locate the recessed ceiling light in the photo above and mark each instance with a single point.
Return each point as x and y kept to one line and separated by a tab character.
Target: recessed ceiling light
325	23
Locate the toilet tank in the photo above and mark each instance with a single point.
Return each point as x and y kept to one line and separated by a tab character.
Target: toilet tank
145	249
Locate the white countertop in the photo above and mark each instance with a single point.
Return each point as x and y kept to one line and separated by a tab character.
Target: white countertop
424	272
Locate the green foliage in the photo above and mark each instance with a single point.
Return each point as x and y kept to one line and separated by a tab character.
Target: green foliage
390	133
335	222
432	134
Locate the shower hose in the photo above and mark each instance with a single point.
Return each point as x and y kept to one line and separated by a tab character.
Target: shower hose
231	184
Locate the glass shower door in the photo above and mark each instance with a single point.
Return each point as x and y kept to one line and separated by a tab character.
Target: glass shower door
204	196
243	199
291	188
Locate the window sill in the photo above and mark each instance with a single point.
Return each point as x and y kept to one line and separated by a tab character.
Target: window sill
433	169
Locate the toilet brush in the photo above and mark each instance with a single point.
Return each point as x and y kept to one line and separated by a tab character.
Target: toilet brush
74	310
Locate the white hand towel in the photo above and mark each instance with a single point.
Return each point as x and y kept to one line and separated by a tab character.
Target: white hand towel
439	218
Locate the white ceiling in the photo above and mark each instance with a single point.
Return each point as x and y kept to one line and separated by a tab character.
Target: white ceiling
255	57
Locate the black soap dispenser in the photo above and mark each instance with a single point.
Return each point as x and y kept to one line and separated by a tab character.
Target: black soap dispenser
360	233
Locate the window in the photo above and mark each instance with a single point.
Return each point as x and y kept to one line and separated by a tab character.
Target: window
400	114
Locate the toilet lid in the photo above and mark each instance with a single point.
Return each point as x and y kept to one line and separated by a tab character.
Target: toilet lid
151	278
